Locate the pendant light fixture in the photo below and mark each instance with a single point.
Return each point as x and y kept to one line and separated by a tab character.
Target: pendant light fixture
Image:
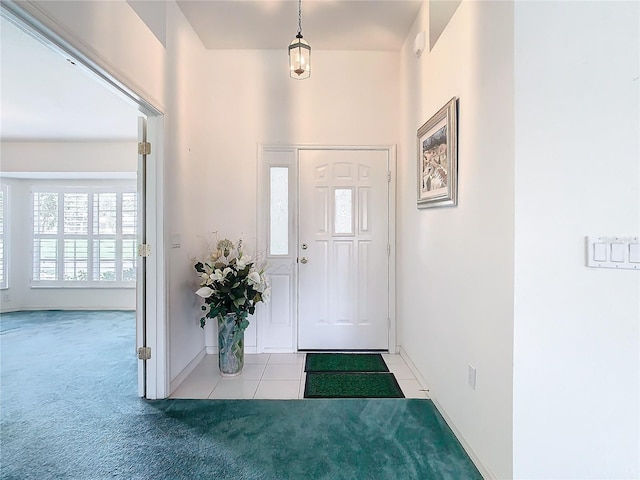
299	53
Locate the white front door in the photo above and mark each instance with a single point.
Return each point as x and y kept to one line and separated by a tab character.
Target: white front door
343	250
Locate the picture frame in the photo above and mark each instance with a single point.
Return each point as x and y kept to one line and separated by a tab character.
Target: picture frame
438	158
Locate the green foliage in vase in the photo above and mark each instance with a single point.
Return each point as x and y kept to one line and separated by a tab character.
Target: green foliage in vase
231	282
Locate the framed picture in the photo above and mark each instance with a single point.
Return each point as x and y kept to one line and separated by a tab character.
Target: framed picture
438	158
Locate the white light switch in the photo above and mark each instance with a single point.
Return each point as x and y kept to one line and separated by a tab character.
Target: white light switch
600	252
617	252
613	251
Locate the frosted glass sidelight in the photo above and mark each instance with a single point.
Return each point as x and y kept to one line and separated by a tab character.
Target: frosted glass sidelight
343	211
279	211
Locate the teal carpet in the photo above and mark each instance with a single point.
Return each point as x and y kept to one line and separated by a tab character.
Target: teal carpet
70	411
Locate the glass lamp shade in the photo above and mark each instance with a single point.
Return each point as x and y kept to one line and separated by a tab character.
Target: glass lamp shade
299	59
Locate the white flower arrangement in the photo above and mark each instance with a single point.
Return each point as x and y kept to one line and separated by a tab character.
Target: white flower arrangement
231	283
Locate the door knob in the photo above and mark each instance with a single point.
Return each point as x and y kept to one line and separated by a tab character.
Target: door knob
303	260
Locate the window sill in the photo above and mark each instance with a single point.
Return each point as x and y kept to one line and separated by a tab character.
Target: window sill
82	287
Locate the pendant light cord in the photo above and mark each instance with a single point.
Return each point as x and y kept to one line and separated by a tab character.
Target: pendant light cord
299	35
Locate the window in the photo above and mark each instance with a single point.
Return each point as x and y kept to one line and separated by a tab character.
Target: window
3	243
84	237
279	211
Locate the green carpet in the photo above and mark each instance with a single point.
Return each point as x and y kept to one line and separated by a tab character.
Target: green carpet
351	385
70	411
345	362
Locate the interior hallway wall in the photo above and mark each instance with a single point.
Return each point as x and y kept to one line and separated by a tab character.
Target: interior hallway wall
63	157
577	339
268	107
455	265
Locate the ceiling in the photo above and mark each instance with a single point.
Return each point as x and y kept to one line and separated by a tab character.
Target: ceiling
326	24
44	96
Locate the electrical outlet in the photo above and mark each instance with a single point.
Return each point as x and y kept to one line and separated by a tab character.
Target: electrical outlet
472	377
6	297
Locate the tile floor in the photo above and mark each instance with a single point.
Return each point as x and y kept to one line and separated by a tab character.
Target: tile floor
273	376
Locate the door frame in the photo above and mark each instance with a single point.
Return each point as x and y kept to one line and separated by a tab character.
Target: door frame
37	24
279	264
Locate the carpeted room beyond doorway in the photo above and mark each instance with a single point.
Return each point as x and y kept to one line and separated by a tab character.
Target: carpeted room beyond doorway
70	411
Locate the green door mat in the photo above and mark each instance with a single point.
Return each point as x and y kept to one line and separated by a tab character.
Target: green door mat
345	362
351	385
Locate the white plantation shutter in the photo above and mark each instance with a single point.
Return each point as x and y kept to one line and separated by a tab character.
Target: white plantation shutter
84	237
45	236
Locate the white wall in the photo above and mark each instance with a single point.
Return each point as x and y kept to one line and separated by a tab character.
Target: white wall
269	107
350	99
455	266
577	345
68	156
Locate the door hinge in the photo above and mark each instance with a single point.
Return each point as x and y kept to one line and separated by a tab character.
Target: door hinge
144	250
388	249
389	177
144	353
389	323
144	148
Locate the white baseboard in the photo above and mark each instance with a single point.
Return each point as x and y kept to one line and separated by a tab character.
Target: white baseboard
484	471
277	350
175	383
247	349
414	370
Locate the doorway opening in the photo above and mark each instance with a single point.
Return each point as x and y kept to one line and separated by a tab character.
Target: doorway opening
102	215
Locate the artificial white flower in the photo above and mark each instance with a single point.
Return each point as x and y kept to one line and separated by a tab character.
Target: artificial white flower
254	278
228	266
242	261
204	292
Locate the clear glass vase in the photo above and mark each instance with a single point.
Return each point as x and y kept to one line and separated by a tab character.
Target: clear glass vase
230	346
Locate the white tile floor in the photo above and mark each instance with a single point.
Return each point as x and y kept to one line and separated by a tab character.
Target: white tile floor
273	376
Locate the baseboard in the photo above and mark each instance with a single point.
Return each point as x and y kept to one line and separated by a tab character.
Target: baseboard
484	471
414	370
214	350
277	350
175	383
9	310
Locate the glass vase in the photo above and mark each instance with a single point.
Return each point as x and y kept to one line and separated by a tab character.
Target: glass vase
230	346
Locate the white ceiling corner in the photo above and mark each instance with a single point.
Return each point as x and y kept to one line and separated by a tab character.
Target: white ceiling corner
326	24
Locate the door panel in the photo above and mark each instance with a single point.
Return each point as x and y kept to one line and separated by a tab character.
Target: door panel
343	296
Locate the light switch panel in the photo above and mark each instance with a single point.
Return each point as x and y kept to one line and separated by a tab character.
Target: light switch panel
613	252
